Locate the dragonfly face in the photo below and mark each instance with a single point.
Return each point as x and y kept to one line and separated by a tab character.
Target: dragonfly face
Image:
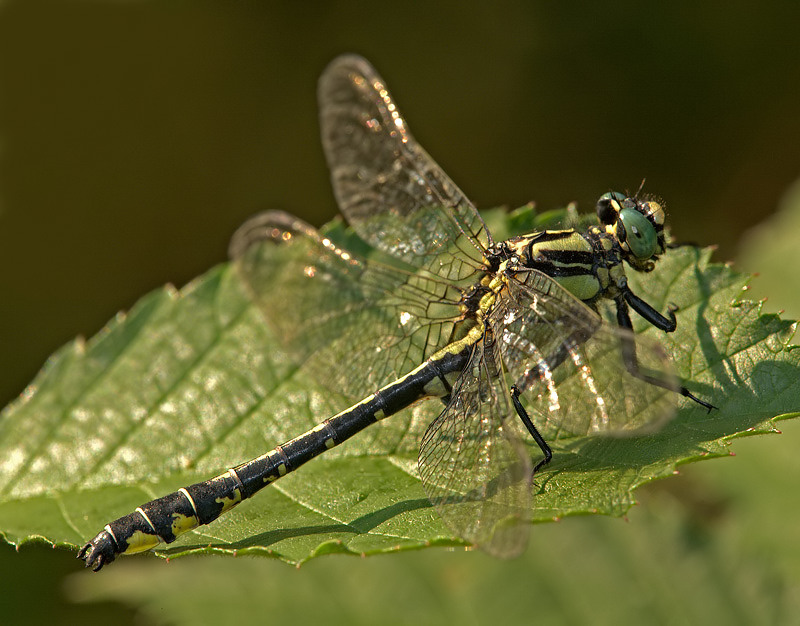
637	226
440	310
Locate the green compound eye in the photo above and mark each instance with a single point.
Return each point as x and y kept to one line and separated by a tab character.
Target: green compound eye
640	235
613	195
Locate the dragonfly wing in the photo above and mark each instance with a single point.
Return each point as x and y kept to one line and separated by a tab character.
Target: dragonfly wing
570	362
392	192
473	466
356	323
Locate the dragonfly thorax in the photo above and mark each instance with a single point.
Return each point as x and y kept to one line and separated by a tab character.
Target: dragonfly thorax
589	263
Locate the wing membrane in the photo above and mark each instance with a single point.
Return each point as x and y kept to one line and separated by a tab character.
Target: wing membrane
570	361
472	465
358	324
392	192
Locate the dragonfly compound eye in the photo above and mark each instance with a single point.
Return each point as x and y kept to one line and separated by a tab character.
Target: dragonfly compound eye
640	236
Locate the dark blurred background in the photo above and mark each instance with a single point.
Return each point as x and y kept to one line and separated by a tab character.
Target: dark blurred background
136	136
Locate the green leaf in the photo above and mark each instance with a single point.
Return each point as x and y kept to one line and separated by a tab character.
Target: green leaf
192	382
659	569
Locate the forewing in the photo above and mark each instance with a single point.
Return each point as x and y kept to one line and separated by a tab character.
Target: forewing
571	364
357	324
391	191
472	465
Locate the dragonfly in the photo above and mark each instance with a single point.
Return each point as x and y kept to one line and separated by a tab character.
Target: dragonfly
508	334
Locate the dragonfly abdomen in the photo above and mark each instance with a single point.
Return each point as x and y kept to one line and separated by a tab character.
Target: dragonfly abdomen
163	520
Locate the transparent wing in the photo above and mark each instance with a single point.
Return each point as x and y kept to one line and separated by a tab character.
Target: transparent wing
357	324
473	467
391	191
571	363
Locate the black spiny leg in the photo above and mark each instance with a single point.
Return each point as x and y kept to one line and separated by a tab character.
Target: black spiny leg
629	347
523	415
668	325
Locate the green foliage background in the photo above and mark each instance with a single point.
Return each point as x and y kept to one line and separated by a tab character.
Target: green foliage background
138	136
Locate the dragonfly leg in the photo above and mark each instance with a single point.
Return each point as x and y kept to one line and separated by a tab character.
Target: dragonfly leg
667	324
629	347
523	415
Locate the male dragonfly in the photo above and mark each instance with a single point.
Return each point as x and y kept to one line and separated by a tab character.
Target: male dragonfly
440	310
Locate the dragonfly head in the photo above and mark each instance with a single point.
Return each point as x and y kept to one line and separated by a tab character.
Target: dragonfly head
636	225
